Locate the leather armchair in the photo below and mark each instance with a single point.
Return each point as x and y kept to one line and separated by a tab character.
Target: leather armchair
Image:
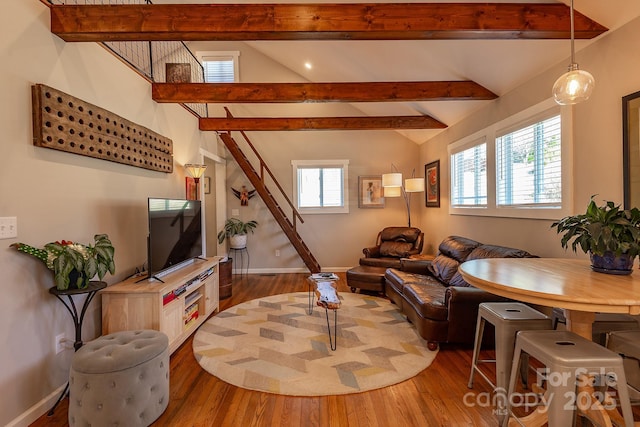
392	244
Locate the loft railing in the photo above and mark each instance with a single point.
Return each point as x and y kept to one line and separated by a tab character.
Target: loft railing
149	58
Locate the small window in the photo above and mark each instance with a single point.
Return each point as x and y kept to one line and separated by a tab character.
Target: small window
529	167
220	67
469	176
320	186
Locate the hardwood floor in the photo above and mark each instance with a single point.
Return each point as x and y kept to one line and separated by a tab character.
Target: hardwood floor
435	397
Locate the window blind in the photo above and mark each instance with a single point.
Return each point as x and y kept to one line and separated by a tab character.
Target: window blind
529	165
469	176
218	69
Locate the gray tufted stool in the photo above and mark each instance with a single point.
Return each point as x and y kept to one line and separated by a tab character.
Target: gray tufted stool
120	379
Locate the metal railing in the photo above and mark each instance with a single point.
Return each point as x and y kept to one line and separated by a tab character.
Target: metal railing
149	58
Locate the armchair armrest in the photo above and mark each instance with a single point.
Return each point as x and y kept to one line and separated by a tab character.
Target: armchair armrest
372	252
417	266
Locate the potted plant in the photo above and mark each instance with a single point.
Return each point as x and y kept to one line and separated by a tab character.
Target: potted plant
236	231
609	234
74	264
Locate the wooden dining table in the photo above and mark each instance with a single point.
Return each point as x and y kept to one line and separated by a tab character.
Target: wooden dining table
557	282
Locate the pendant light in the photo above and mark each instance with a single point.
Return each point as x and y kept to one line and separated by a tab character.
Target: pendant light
575	85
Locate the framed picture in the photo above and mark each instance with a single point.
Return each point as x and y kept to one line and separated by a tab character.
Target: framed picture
370	191
190	188
207	185
432	184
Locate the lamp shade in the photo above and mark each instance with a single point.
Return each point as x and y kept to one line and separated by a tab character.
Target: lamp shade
195	170
414	185
573	87
392	179
392	191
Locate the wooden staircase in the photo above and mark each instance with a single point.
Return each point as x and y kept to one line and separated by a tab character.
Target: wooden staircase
257	180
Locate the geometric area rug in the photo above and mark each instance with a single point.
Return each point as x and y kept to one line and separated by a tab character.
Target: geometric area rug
272	345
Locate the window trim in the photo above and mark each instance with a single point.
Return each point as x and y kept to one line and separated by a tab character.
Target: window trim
341	163
223	54
521	119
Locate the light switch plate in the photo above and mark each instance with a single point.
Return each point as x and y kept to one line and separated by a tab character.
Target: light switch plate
8	227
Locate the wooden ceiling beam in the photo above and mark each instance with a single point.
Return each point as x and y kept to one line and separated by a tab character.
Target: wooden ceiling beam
319	123
359	21
318	92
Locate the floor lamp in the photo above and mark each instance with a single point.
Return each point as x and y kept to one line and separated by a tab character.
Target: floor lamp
393	187
196	172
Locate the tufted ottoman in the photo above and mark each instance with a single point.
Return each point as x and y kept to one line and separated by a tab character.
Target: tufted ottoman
120	379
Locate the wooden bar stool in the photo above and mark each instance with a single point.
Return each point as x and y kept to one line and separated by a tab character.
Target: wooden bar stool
570	360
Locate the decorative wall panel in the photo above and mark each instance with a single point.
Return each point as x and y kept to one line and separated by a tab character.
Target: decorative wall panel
66	123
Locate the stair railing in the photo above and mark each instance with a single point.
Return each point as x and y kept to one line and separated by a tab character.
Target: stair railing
265	169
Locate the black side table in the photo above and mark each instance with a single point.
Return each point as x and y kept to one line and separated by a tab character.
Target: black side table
240	265
91	290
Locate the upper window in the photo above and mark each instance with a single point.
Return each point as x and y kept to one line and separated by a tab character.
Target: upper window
520	167
220	67
320	186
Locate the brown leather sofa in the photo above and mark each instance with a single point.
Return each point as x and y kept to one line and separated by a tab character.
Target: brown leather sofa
392	244
434	296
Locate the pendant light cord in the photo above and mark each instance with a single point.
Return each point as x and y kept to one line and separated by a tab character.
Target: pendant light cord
573	53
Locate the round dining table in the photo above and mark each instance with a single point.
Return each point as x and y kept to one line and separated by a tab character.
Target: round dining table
557	282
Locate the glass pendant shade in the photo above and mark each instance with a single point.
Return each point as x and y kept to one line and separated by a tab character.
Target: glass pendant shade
414	185
573	87
392	180
392	191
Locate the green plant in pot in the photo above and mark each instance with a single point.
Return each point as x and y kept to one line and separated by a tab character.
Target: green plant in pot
74	264
609	234
236	231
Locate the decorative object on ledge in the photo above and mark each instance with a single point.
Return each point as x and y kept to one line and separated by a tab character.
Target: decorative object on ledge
609	234
393	187
74	264
178	73
370	191
432	178
66	123
244	195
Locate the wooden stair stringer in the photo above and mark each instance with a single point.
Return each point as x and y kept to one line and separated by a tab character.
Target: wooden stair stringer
279	215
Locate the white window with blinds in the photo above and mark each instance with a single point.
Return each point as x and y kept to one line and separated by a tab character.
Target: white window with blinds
520	167
220	67
469	175
321	186
529	164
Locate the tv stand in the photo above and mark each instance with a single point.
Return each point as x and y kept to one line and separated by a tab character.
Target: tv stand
177	305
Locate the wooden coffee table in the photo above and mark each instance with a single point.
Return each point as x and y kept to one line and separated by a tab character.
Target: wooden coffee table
324	288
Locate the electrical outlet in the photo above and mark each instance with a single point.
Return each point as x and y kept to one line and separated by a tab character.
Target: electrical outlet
59	344
277	252
8	227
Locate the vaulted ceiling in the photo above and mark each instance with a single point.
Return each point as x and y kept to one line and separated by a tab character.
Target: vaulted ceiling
394	48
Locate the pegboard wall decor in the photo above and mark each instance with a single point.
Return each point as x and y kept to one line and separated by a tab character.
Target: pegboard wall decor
66	123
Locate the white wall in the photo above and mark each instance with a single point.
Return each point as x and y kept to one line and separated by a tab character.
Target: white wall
336	240
58	195
614	62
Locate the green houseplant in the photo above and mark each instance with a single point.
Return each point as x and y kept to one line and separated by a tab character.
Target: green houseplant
74	264
236	231
609	234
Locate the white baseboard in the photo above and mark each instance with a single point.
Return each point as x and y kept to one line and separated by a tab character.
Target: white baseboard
36	411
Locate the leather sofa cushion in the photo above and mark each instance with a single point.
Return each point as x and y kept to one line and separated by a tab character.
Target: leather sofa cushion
399	278
457	247
493	251
403	234
395	249
427	299
443	268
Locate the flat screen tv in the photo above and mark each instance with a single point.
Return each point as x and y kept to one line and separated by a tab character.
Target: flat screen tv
175	233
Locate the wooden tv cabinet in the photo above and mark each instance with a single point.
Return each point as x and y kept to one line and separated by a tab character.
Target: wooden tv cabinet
176	307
